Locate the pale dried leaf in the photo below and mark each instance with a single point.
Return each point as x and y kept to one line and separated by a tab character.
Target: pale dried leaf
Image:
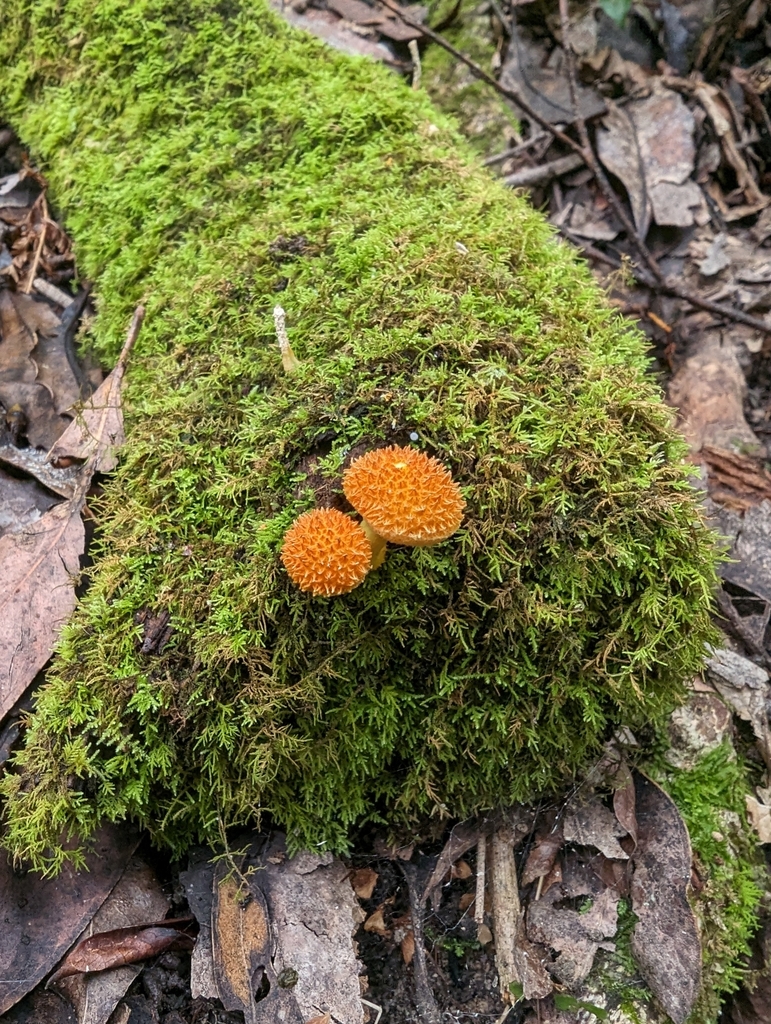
745	687
39	567
540	78
198	881
591	823
462	839
22	501
760	818
624	800
531	961
542	856
376	923
618	149
16	342
312	921
575	936
461	870
243	953
97	430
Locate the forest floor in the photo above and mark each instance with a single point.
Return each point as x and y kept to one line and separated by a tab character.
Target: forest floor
656	165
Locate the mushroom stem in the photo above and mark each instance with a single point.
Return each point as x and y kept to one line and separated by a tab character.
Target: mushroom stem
377	543
288	358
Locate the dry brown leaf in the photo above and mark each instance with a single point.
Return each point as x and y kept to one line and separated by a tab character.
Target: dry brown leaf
461	870
376	923
323	1018
137	898
462	838
40	422
22	501
242	947
540	78
97	430
17	341
198	881
548	843
466	900
575	936
119	947
624	800
407	946
39	566
745	688
649	146
665	940
619	150
35	463
759	813
364	881
312	907
54	369
30	945
590	823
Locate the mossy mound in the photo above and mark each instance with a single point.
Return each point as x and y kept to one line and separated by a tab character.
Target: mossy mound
207	157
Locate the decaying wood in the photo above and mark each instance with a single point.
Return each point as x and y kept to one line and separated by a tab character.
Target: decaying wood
507	912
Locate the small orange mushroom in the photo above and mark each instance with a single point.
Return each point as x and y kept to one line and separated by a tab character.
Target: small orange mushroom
405	496
326	553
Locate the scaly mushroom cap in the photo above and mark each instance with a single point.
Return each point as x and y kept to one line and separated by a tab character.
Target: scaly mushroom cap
406	496
326	553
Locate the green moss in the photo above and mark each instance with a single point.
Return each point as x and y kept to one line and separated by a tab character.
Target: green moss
710	797
184	146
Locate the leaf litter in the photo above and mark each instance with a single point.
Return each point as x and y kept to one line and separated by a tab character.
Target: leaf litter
700	181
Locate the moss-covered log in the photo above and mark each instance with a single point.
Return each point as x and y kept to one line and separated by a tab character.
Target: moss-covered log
206	157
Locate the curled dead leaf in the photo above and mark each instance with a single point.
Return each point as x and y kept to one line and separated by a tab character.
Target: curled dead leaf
363	881
122	946
460	870
376	923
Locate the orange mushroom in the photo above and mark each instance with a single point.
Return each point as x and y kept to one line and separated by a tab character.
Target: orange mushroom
326	553
405	496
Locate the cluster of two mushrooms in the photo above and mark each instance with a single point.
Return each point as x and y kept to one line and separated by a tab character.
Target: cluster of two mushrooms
403	495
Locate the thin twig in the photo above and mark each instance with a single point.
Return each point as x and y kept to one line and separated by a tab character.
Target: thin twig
592	161
38	253
667	286
513	151
654	278
479	896
527	176
583	148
